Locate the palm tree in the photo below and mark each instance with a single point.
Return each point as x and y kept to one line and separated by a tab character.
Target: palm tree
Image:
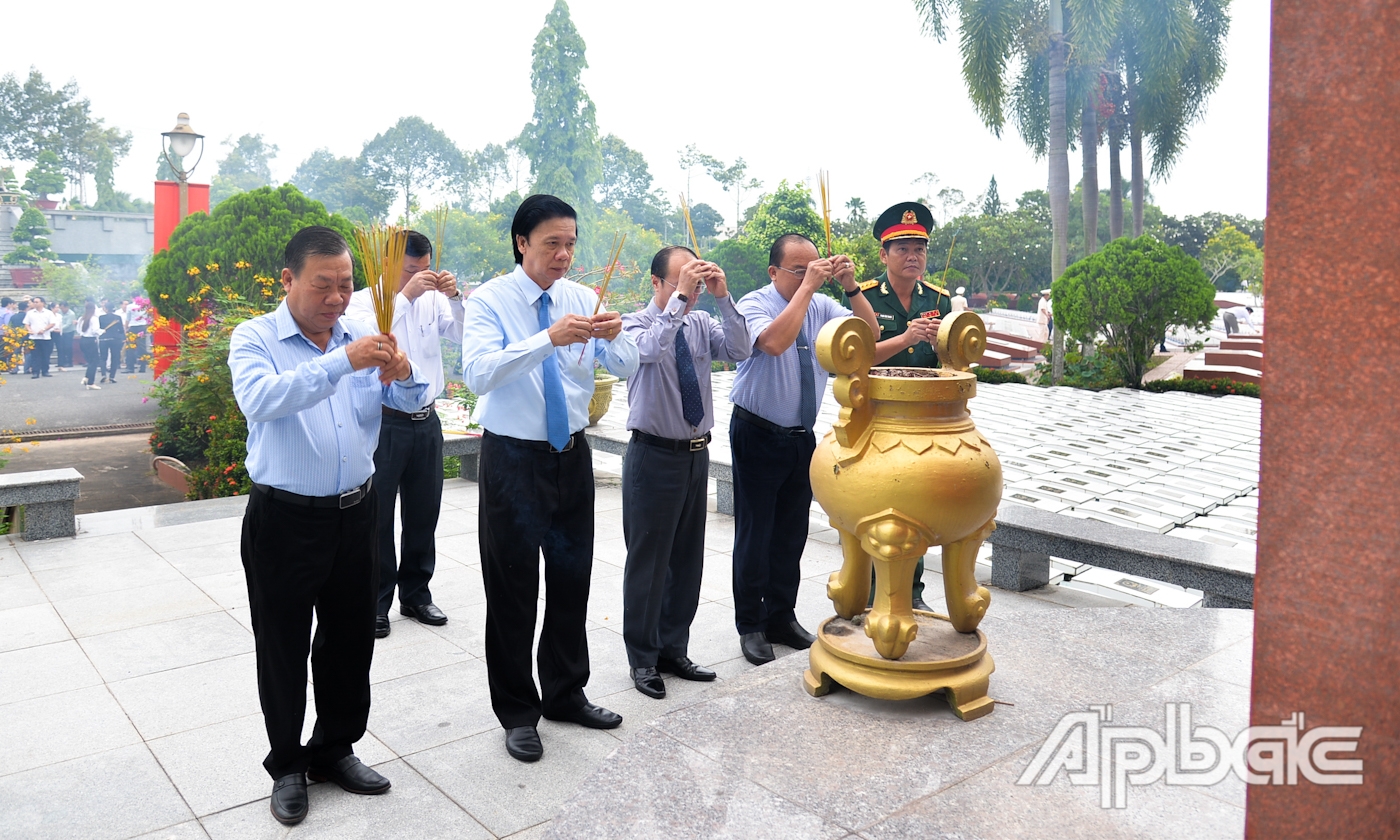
1038	36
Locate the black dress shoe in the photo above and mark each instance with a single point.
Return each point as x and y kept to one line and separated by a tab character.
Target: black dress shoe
756	648
792	634
649	682
523	743
352	775
682	667
288	801
425	613
591	716
381	626
920	605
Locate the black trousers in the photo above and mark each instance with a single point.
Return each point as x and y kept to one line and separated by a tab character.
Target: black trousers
533	501
408	465
40	351
109	356
772	500
65	349
136	350
297	559
89	345
663	525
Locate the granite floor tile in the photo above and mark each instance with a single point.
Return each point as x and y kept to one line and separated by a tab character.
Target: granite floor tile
101	613
465	627
457	586
53	554
426	710
638	710
412	808
609	671
20	590
60	727
193	535
763	731
506	795
44	670
191	830
992	805
206	560
10	564
464	548
717	577
1234	664
219	766
679	792
534	832
412	648
114	794
24	627
452	522
167	702
713	638
227	589
99	576
604	600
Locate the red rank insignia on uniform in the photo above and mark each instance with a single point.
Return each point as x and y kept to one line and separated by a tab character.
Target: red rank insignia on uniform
932	313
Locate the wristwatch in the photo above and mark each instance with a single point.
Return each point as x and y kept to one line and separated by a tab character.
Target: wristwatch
853	292
683	298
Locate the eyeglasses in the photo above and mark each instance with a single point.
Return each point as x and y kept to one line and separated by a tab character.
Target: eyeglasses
799	273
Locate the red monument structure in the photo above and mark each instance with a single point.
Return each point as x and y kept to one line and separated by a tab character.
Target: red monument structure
1327	628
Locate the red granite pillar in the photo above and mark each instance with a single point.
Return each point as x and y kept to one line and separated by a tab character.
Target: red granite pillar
1327	598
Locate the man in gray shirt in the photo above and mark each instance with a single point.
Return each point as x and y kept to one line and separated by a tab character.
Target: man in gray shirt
668	461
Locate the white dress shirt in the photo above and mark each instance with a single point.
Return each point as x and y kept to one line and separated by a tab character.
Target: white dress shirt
40	323
503	346
417	325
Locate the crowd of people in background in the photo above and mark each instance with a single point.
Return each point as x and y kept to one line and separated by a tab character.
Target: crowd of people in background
103	333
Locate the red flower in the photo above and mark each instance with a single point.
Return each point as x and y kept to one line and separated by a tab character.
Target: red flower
213	417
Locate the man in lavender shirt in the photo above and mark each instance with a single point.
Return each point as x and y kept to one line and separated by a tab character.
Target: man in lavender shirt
668	460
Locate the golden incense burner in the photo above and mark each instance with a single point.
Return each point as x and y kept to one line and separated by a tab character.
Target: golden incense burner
903	469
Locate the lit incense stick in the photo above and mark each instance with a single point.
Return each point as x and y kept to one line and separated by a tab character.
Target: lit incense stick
440	220
949	261
607	277
694	242
382	250
824	178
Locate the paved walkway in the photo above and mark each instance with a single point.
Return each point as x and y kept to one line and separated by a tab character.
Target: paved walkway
61	401
128	701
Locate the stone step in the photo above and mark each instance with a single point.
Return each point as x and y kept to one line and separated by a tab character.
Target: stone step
1201	370
1238	343
1013	349
1252	359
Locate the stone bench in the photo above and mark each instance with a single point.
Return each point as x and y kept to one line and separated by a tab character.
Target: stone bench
1202	370
1014	349
1026	538
47	497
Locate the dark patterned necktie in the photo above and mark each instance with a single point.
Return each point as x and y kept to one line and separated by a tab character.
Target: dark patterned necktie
692	406
808	397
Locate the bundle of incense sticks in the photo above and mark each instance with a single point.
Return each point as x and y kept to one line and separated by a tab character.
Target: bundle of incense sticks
694	242
382	249
949	261
824	178
440	221
614	253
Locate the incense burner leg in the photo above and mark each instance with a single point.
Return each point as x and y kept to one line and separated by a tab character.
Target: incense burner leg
849	588
967	602
896	542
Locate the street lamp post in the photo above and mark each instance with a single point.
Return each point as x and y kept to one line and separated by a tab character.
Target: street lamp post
179	143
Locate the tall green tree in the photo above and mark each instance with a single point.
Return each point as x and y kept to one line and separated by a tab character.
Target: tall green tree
413	156
45	176
343	185
991	202
734	178
561	139
247	166
627	185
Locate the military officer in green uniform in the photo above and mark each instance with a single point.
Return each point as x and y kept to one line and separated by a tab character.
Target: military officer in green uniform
907	306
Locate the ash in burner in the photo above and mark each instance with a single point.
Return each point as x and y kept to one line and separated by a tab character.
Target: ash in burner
907	373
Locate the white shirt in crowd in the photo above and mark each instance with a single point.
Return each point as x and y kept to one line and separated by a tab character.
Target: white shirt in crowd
1043	313
92	331
417	326
40	322
1243	314
135	316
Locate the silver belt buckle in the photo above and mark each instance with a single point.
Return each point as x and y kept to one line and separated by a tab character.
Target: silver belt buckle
350	498
697	444
421	414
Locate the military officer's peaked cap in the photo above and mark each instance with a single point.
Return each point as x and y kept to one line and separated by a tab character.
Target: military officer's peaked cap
906	220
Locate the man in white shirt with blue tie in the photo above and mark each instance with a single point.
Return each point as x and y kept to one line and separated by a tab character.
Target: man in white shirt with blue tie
521	353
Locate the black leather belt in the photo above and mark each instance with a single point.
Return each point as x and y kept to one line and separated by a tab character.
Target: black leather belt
420	414
749	417
692	445
542	445
348	499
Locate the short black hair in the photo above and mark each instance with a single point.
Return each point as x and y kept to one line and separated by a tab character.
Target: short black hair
312	241
6	301
39	298
535	211
662	261
417	245
775	254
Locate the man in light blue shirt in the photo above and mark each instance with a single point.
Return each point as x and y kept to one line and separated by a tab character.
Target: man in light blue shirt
311	385
776	394
530	341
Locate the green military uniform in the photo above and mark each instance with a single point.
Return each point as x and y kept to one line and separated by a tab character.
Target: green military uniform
907	220
926	301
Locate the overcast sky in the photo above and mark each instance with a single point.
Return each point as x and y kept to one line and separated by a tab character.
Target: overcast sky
792	87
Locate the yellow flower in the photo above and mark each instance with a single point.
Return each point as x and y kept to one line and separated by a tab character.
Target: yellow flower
193	271
212	266
164	296
30	421
241	264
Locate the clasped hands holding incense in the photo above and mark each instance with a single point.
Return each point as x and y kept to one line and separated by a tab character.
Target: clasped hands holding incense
425	280
839	267
577	329
380	351
699	275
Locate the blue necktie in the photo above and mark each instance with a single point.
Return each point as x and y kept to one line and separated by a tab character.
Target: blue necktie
556	411
809	381
692	406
